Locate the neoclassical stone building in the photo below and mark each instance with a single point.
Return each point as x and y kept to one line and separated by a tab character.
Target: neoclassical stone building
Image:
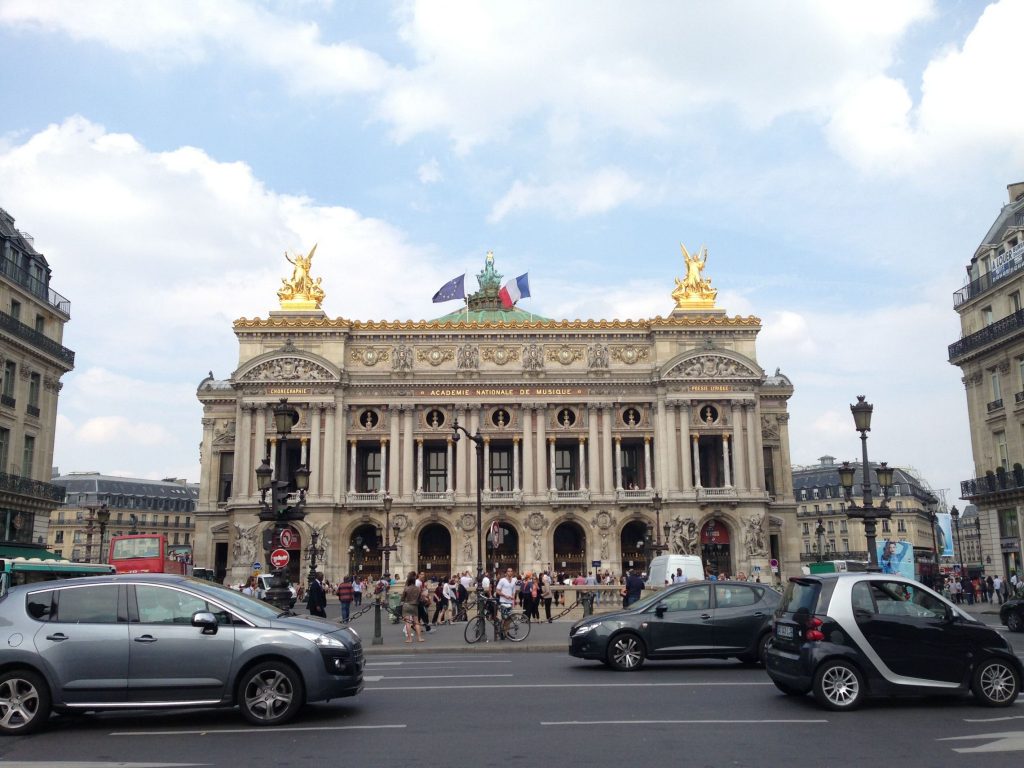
587	427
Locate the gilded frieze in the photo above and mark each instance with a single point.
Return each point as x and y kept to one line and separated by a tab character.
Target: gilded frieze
370	356
288	369
711	366
565	354
500	355
630	354
435	355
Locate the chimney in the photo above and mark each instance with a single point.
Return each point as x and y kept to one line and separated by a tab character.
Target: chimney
1016	191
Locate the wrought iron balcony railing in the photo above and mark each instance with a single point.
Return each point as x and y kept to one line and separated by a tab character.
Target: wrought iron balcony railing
991	485
995	405
34	285
36	339
987	335
37	489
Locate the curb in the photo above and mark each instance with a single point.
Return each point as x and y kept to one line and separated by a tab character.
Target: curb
494	647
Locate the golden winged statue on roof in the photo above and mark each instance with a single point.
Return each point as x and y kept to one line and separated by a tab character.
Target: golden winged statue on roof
301	291
694	291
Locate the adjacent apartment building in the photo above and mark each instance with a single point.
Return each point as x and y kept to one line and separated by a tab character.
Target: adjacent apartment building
990	353
32	361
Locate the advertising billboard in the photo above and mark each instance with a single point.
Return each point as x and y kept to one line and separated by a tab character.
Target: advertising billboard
896	556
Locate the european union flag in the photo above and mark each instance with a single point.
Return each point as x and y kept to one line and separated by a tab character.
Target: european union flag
453	289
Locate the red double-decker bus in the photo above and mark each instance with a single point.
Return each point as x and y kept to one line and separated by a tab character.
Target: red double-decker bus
146	553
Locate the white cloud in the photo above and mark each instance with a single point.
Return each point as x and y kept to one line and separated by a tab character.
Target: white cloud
430	172
595	193
964	111
159	252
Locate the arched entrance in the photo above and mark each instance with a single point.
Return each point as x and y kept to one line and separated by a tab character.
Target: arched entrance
435	551
502	550
631	542
714	547
570	545
363	555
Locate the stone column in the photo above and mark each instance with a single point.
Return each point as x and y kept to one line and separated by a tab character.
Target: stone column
755	463
210	481
474	425
648	480
487	464
593	457
242	479
582	463
316	475
407	451
273	453
542	449
526	413
785	487
352	451
448	466
304	449
461	449
551	464
684	444
671	483
394	451
738	452
260	414
618	463
330	465
341	465
385	474
419	464
696	461
608	461
725	460
661	472
515	463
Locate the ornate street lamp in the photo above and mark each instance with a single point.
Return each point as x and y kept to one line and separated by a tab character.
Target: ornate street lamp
281	509
819	531
649	542
933	518
478	441
386	549
867	512
315	551
977	530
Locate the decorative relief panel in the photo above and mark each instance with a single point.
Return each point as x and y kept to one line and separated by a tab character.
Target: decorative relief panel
533	358
370	356
769	426
435	355
711	366
565	354
500	355
401	358
288	369
597	356
630	354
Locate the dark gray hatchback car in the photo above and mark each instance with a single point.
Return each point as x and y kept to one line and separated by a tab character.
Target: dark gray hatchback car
148	641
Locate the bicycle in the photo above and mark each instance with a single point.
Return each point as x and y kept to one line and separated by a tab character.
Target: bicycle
507	625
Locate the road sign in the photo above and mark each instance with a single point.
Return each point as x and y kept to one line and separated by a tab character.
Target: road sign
257	566
595	563
757	569
773	563
279	558
287	538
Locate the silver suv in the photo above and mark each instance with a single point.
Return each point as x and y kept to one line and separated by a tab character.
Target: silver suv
154	640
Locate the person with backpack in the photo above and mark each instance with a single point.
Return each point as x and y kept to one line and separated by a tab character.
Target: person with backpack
440	598
528	593
462	597
345	595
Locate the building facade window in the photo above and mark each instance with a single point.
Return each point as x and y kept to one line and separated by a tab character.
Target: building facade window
1001	453
227	476
10	374
501	469
28	456
997	390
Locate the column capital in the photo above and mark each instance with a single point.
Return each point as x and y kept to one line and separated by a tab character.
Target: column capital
583	439
208	422
551	440
647	438
304	438
783	418
419	441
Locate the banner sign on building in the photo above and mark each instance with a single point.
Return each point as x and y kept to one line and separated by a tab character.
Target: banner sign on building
944	534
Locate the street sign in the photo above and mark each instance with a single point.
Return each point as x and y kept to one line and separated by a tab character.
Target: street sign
774	564
757	569
257	566
287	538
279	558
595	563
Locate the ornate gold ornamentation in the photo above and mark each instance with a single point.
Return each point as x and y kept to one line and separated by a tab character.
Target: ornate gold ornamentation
630	354
370	356
694	291
340	323
710	366
499	355
565	354
288	369
300	292
435	355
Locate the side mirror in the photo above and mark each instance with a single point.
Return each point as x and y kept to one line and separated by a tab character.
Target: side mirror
206	620
660	609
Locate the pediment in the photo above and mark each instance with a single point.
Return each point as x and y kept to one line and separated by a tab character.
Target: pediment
290	368
712	365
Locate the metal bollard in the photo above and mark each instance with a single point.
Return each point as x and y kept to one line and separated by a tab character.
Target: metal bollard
587	598
378	637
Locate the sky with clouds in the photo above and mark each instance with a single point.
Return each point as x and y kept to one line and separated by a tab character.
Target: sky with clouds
841	161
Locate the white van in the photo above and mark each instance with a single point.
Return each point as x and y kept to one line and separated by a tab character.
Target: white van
663	568
263	584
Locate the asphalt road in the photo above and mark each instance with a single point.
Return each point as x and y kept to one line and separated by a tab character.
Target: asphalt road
530	709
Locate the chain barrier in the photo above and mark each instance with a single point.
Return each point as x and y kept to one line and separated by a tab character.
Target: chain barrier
462	615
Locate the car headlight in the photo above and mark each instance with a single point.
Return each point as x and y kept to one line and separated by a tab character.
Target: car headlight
319	639
584	629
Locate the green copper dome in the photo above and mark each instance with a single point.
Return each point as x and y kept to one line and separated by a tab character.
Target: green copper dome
484	306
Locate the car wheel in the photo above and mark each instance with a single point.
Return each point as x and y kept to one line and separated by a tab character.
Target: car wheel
788	690
270	693
760	652
838	685
995	683
1014	623
626	652
24	702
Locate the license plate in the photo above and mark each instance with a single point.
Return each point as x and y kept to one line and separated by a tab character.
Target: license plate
784	630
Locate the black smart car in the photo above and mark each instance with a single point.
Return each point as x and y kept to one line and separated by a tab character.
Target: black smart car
848	636
704	619
1011	613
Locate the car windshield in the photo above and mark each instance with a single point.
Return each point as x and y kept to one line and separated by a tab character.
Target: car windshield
235	599
650	600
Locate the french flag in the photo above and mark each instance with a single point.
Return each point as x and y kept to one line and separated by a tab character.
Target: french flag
514	290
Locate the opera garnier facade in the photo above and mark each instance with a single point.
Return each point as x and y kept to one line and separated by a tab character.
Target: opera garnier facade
602	442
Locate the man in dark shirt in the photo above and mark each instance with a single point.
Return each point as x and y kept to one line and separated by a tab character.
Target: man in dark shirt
316	601
634	586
